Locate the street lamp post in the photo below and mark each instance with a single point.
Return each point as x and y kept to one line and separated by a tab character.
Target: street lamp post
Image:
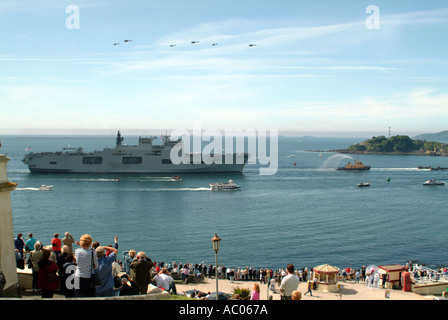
215	241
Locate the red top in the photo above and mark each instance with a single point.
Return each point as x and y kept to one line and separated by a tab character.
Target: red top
42	281
56	243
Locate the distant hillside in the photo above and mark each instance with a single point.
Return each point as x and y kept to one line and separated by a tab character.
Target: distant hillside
441	136
398	145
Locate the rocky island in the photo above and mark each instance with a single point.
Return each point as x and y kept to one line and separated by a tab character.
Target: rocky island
399	145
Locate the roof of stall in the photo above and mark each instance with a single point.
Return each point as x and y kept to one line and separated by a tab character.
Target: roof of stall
325	268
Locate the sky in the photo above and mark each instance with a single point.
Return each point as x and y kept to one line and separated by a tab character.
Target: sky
316	67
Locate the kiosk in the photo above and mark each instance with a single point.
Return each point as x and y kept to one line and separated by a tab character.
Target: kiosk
392	274
327	278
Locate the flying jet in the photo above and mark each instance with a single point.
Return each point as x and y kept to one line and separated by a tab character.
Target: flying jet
116	44
253	45
172	45
193	42
127	40
214	44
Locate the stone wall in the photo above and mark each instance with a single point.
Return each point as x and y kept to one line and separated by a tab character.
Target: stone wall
7	255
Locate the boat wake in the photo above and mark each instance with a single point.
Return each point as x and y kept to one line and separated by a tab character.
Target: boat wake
174	189
158	179
97	179
29	188
397	169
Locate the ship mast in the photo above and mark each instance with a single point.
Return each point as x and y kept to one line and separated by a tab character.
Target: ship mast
119	139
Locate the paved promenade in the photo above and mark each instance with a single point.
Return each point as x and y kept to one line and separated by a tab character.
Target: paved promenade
348	291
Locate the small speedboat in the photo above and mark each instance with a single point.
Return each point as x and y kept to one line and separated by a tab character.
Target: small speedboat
224	186
177	178
434	183
364	184
45	188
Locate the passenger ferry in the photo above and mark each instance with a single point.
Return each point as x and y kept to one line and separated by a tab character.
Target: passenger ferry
224	186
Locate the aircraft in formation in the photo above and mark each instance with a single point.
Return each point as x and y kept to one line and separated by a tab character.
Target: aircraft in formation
213	44
117	43
192	42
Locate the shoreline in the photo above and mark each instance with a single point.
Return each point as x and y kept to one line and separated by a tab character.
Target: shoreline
346	151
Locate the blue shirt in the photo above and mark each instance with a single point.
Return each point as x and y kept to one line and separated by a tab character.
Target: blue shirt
30	243
105	272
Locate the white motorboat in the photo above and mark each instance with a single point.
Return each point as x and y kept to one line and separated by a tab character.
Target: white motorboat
45	188
434	183
364	184
224	186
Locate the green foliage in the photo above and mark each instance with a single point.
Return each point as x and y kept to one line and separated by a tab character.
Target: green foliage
395	144
242	292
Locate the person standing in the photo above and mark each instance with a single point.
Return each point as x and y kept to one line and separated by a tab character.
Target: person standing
48	280
232	275
68	241
19	244
255	295
35	256
141	272
310	287
384	280
357	276
289	283
85	258
105	271
128	258
29	244
67	268
363	273
61	259
56	244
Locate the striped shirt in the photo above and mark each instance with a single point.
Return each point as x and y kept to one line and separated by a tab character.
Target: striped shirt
84	262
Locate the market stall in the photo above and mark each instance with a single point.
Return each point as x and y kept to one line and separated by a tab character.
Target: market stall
327	278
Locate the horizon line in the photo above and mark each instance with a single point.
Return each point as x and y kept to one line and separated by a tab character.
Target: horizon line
136	132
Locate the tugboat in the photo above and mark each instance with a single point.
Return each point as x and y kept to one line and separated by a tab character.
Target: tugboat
358	165
224	186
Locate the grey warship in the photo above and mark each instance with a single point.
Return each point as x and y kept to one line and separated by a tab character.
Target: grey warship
146	157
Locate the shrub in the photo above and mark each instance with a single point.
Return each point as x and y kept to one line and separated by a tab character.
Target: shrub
242	292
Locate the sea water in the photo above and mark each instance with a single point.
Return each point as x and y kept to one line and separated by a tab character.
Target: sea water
307	214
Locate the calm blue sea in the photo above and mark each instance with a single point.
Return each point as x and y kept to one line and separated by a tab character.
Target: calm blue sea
307	214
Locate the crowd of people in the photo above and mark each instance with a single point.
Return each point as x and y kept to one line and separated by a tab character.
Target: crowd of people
91	270
94	270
